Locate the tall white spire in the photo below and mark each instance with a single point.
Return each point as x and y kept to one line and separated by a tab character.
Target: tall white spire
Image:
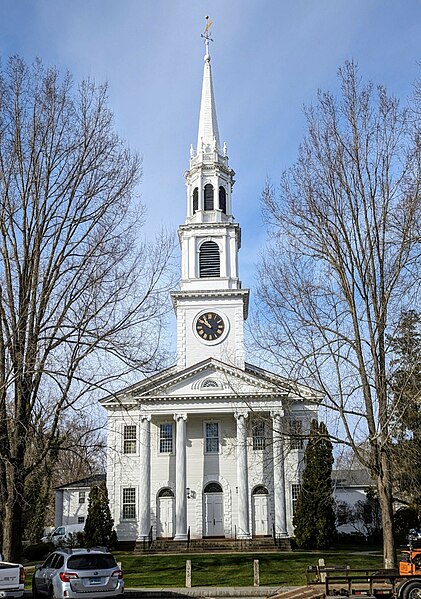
208	125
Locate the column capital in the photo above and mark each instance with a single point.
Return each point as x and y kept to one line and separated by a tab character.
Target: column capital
144	417
241	414
181	416
277	414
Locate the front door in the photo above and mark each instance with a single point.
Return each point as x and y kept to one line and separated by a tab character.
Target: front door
165	521
261	515
214	515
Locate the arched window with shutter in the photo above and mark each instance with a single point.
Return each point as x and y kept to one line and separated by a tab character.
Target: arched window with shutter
209	261
208	205
223	199
195	200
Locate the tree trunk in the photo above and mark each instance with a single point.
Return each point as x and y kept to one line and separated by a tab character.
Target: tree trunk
12	527
384	490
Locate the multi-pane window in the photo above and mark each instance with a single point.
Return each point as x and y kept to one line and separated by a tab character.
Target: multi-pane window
295	491
259	441
165	438
82	496
129	504
211	437
296	440
80	519
129	439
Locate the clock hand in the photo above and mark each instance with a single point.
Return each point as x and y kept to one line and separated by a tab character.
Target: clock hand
206	321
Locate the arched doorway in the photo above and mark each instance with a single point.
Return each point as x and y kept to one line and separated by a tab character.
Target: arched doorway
213	498
260	501
165	513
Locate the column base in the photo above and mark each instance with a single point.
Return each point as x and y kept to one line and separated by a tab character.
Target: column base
244	537
282	535
180	537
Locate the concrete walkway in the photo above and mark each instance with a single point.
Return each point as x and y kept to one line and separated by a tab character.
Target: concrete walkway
250	592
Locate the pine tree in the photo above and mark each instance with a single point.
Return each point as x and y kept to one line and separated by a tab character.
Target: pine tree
314	518
406	392
99	524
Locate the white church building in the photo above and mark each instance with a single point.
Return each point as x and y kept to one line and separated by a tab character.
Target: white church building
210	447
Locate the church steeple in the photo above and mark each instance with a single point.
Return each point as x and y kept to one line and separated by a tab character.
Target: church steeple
209	180
210	295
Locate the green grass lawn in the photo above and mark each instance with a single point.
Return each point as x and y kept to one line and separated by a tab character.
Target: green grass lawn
276	569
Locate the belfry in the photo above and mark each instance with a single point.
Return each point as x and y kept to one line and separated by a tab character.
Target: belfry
211	447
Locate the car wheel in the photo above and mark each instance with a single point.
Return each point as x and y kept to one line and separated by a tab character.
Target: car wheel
52	595
412	590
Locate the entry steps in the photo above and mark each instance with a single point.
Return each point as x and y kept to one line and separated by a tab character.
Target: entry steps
212	545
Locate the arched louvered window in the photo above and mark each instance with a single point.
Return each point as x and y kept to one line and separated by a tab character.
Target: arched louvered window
208	197
223	200
209	260
195	200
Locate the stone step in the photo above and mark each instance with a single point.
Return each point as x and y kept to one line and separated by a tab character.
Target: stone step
212	545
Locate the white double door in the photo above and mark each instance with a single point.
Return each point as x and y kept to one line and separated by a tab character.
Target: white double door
261	524
165	521
214	514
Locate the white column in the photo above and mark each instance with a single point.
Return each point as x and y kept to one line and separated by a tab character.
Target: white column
144	475
243	530
180	479
279	476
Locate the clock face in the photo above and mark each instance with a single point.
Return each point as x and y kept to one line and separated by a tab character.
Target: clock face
210	326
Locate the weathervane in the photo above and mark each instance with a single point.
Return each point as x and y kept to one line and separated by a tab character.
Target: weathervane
207	34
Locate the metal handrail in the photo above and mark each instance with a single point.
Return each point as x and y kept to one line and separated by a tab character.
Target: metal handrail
275	540
188	538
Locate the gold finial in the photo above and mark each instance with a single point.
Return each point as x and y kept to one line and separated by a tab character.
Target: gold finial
206	34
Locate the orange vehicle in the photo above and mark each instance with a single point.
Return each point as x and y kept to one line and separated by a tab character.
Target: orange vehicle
410	562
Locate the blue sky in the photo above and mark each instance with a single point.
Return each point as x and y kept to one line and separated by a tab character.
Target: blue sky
269	58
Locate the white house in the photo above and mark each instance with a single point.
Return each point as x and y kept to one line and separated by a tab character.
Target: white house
350	488
212	446
71	500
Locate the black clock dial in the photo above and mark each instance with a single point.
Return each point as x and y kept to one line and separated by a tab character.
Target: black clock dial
210	326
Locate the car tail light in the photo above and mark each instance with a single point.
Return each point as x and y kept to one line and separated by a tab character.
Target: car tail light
118	573
21	575
67	576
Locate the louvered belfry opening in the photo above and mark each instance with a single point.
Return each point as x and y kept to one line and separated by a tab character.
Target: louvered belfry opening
209	259
223	200
208	205
195	200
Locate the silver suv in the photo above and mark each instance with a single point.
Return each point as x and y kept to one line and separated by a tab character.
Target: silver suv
71	573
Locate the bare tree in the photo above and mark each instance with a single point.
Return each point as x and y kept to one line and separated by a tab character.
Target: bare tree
80	296
344	260
80	453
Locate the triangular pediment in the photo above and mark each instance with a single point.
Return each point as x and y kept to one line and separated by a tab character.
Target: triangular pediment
212	378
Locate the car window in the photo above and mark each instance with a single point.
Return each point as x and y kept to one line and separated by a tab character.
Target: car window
58	561
91	562
49	561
